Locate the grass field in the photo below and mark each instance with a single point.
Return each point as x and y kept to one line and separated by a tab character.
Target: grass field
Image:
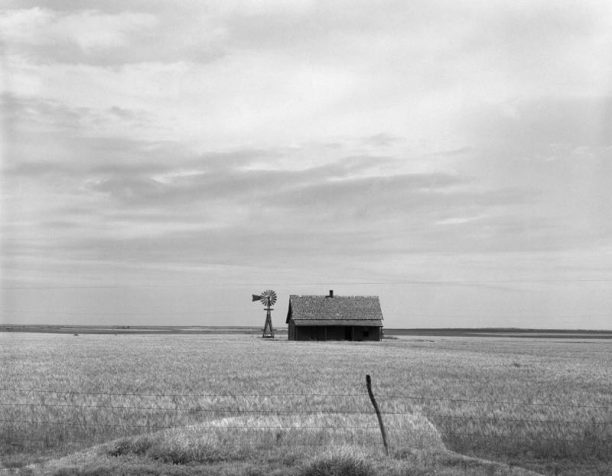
238	404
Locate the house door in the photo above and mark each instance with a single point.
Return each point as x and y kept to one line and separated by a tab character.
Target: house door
348	333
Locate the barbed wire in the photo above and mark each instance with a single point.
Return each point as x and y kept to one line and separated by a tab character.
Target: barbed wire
303	395
586	422
496	402
233	411
201	425
185	395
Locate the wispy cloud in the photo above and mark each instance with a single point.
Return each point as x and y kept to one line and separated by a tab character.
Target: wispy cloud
110	38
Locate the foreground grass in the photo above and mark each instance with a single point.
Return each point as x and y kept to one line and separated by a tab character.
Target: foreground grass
538	403
246	446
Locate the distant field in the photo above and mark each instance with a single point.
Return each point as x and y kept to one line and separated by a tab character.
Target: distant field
74	329
282	331
236	399
501	332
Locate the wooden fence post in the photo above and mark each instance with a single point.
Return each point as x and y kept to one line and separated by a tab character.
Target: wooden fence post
380	422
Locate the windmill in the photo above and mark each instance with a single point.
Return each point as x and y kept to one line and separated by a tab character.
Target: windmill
268	298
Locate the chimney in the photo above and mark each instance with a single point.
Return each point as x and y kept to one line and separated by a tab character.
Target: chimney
331	293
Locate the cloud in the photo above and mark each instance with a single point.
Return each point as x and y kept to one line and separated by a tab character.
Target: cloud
85	31
109	38
132	190
537	124
212	75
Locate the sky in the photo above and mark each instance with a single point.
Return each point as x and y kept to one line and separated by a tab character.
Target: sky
162	161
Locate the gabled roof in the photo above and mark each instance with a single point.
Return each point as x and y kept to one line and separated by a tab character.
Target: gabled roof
337	310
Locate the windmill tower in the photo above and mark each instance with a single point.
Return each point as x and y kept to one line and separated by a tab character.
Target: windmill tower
268	299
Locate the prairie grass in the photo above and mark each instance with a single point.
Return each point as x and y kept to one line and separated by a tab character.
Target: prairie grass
247	446
542	403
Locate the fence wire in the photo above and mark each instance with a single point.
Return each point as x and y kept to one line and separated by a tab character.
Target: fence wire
304	395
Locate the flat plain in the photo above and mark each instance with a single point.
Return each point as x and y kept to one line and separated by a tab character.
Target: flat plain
239	404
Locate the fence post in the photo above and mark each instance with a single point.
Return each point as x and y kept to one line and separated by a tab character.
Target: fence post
380	422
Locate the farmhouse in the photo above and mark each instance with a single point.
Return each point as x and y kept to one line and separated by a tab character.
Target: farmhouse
334	317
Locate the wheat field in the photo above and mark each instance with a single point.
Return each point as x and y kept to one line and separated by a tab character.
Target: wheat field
227	400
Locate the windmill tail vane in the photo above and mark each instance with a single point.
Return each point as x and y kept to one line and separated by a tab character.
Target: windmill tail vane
268	299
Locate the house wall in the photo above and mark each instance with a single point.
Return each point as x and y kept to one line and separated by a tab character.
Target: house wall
367	333
291	330
358	333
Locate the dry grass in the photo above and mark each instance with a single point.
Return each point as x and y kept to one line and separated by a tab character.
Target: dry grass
246	446
111	385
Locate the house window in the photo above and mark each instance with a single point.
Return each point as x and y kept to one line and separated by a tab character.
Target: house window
366	333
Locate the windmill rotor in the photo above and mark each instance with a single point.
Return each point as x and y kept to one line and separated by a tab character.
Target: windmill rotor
268	297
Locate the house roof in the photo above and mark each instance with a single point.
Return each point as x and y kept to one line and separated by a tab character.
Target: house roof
337	310
339	322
